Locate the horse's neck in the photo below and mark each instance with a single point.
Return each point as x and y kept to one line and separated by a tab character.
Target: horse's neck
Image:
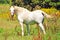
22	10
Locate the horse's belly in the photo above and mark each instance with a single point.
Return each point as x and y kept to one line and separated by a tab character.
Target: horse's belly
29	22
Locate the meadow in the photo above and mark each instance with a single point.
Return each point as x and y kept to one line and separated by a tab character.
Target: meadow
11	30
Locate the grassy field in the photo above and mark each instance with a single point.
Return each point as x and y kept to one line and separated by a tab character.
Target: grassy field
11	30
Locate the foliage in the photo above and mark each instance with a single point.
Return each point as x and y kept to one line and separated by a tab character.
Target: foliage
58	3
47	0
52	4
33	3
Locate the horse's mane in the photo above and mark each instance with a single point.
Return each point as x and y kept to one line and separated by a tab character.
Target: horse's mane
20	8
17	7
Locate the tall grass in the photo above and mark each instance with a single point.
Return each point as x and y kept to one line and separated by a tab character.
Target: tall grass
11	30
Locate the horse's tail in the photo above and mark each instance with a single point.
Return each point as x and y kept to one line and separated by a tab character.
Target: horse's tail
46	15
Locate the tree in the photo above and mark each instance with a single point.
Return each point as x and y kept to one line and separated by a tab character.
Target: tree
33	3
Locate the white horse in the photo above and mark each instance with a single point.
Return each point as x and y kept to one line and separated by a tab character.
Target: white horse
27	16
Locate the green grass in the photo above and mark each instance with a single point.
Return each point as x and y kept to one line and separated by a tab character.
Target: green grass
11	30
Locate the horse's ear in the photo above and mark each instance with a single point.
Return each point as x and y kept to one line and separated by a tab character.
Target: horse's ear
13	5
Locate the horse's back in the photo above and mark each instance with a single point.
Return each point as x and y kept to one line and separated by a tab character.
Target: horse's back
37	15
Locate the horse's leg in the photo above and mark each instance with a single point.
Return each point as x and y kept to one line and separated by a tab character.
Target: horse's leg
42	27
12	17
21	23
28	30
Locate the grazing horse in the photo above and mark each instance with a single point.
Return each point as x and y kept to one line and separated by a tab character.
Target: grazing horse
27	16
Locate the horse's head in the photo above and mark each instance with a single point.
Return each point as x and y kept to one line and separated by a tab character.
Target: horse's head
12	11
